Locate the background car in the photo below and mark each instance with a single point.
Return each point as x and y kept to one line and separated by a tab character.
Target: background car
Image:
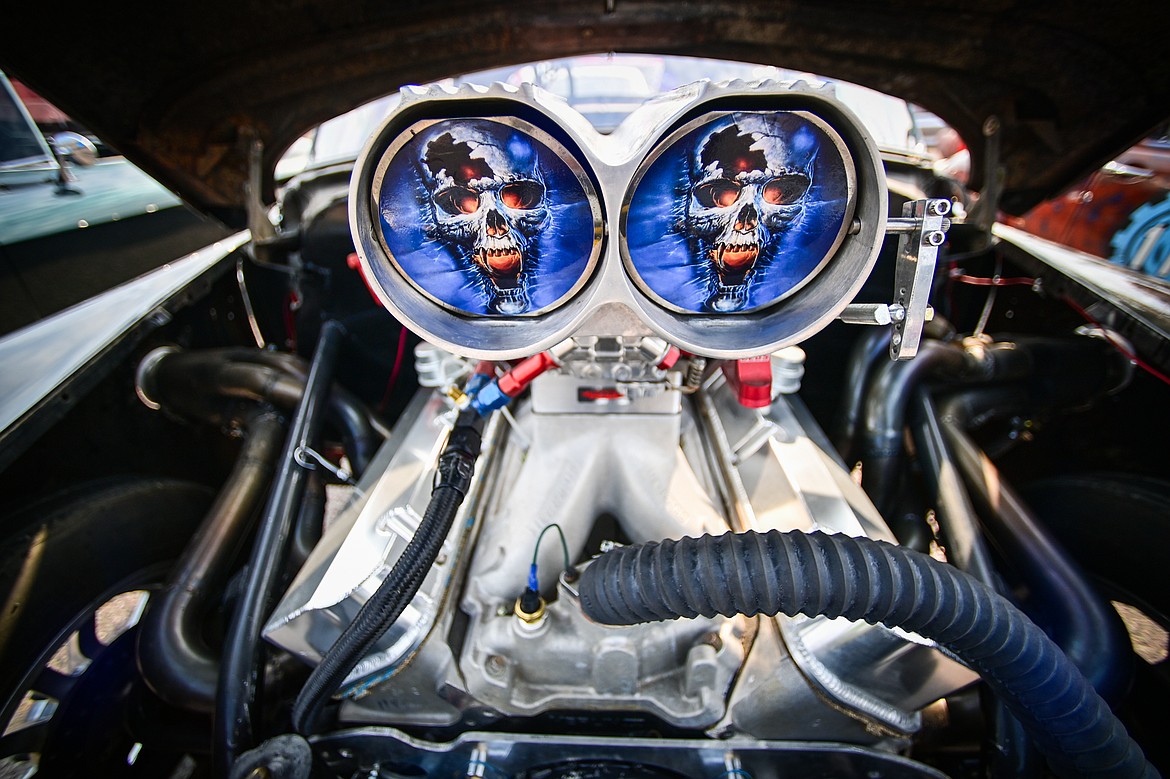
1118	213
76	221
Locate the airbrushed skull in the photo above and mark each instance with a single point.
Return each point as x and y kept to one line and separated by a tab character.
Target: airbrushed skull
746	190
487	198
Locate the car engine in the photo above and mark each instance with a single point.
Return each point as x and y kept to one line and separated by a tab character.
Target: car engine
614	321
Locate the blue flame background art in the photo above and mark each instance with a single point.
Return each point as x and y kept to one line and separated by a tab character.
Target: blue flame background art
486	218
739	212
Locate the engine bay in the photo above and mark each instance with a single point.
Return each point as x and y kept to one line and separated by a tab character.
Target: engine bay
664	464
652	394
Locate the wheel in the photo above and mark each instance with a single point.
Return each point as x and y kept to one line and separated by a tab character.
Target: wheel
75	579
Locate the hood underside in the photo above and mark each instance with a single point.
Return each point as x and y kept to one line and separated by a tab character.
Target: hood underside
184	90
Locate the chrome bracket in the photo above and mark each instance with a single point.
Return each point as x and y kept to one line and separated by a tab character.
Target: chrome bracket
922	229
914	272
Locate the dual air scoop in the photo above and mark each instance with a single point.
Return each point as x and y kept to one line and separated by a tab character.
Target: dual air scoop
496	222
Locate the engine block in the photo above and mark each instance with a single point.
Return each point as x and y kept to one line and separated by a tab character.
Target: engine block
464	652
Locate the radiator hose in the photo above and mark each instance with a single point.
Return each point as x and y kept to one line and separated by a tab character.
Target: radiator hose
456	465
860	579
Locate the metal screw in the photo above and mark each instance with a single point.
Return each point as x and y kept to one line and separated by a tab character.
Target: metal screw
496	665
712	639
939	207
896	339
935	237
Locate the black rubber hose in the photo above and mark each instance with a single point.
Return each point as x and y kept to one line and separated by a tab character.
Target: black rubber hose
884	415
310	522
1063	371
456	465
1008	750
172	656
1061	598
233	726
869	349
192	382
860	579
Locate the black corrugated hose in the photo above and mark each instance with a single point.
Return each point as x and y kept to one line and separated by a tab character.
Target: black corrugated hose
456	465
861	579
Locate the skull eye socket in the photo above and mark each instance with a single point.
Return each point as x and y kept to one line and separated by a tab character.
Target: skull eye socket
521	194
458	200
786	189
720	193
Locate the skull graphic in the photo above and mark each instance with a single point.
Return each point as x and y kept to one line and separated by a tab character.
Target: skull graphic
487	204
745	190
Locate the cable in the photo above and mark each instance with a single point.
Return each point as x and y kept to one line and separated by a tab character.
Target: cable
994	281
1129	354
393	380
394	594
564	544
991	294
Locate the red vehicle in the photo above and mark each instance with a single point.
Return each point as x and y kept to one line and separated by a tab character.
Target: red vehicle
1120	212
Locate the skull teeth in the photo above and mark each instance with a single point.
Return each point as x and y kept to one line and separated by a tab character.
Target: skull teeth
735	255
499	261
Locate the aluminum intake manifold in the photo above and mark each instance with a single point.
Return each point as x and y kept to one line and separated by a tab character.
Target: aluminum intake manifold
642	467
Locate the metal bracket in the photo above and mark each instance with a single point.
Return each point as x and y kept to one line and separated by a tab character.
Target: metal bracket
922	228
914	272
263	231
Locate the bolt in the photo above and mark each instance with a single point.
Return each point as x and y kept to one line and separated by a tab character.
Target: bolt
160	317
896	340
711	639
935	237
939	207
990	126
495	665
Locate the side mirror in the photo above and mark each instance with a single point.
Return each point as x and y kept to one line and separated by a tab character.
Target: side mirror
75	147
